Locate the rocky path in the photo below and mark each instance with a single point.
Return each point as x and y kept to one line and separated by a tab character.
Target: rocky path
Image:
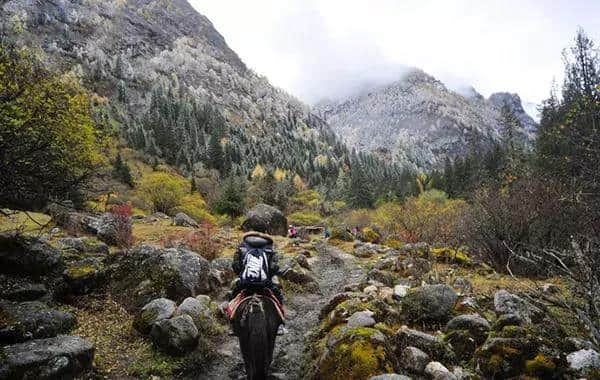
332	269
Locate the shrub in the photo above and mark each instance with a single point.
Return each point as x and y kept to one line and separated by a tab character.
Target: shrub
531	214
200	241
194	206
370	235
121	221
431	218
307	199
163	191
49	144
305	218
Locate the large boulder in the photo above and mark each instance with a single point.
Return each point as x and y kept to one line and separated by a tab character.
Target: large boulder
184	220
84	275
583	361
104	226
508	303
198	308
24	291
25	255
176	336
414	359
20	322
61	357
267	219
429	303
152	312
154	272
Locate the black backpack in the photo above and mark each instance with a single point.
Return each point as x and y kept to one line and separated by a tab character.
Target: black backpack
255	264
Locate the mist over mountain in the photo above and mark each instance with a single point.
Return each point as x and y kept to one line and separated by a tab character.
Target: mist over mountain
419	122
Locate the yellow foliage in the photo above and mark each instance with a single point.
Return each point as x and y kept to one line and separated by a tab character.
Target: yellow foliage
305	218
320	160
163	191
194	206
371	235
280	174
307	198
299	183
258	171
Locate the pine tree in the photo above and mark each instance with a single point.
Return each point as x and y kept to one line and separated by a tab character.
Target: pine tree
360	193
215	153
123	171
231	201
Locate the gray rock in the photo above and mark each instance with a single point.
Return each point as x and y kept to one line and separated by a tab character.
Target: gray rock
413	266
183	220
463	285
437	371
387	264
430	302
361	319
507	303
302	260
176	336
154	311
430	344
173	273
507	320
414	359
28	256
584	360
265	218
197	308
107	229
577	344
365	250
85	275
61	357
400	291
85	245
32	320
381	276
390	376
25	292
299	275
474	323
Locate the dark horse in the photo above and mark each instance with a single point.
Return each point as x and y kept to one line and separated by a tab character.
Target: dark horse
255	323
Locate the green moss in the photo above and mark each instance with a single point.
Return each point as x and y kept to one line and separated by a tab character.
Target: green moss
393	243
360	359
450	255
80	271
153	363
495	364
144	320
541	366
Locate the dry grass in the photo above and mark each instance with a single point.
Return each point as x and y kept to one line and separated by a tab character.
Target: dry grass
118	346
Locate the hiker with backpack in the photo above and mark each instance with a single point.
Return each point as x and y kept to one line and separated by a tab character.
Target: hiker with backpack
255	262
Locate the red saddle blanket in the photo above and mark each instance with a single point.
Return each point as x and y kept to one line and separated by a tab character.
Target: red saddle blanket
235	303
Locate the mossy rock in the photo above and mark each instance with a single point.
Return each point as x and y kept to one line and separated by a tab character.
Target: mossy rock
84	275
505	357
341	234
463	344
449	255
354	354
541	366
370	235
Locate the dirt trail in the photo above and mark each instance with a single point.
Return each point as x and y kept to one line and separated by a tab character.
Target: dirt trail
332	269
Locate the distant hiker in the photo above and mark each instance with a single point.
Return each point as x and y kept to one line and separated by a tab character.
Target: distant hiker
327	233
293	232
256	263
355	231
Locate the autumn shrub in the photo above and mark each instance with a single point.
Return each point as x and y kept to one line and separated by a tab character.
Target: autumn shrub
195	206
305	218
163	191
121	222
200	241
49	145
306	199
532	213
431	217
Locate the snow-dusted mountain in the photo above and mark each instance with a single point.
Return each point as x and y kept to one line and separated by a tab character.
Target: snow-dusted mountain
419	121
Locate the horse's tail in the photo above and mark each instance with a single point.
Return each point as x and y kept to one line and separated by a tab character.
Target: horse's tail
255	340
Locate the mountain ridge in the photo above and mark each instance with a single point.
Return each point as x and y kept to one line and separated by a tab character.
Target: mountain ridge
420	121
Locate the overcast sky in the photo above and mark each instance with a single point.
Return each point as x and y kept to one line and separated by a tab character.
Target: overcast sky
330	48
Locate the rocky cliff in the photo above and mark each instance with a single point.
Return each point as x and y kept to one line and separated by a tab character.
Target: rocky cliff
419	122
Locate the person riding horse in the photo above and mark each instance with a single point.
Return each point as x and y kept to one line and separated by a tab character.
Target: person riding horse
256	264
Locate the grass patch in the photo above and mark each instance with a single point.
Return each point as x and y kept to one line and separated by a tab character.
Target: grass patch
20	221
